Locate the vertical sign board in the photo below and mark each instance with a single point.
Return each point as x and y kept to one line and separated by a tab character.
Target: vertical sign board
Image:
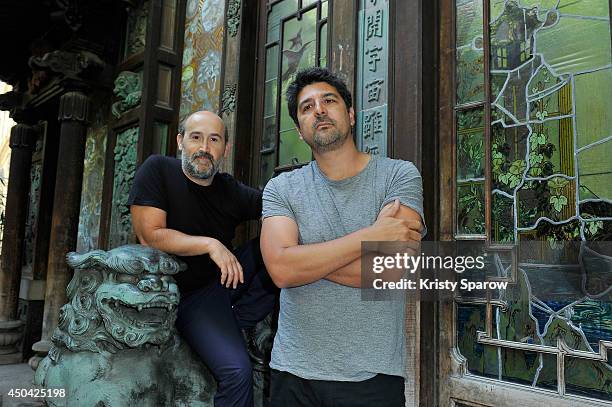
372	76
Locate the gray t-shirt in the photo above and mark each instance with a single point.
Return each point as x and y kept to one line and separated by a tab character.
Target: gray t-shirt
325	330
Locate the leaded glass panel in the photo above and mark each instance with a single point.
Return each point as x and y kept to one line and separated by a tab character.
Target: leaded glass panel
299	52
470	172
550	137
296	39
469	51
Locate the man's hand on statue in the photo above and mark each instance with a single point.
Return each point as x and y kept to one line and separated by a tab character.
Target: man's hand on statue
231	270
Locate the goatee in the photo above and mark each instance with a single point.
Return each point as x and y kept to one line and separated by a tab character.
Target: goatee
191	168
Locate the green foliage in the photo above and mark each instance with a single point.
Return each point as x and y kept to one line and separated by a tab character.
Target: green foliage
558	202
513	177
557	233
471	210
471	151
503	219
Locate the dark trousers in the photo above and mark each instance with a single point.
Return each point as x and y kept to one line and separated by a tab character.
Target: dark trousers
210	319
380	391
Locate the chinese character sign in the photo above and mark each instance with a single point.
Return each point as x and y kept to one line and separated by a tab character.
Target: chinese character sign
372	80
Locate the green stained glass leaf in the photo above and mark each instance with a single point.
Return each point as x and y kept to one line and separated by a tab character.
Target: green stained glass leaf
470	143
470	209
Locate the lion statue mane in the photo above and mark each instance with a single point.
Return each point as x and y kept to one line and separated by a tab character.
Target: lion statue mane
115	344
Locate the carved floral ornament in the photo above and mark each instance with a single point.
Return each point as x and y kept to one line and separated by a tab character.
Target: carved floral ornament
233	17
228	98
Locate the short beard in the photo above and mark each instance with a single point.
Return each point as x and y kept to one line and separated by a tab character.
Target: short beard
190	168
331	142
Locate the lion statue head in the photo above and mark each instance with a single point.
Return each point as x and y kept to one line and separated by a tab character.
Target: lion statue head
125	297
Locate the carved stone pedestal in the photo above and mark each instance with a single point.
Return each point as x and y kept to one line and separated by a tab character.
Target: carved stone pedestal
10	337
41	348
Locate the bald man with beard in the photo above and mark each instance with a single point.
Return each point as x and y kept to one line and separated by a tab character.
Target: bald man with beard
187	208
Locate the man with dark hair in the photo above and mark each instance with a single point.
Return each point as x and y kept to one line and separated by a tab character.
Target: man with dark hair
187	208
309	76
332	348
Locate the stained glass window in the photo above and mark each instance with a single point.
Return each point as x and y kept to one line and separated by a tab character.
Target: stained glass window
533	132
296	38
203	48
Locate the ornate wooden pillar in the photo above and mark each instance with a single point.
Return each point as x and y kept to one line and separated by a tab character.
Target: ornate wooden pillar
23	138
73	116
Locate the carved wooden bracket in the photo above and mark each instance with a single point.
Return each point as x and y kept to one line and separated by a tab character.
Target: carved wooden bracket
67	63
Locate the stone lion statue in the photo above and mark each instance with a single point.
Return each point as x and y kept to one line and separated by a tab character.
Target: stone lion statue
128	88
115	344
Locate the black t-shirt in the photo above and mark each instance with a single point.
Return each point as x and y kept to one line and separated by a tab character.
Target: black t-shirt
212	211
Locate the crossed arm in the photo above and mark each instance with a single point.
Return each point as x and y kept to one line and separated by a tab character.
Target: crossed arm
150	226
291	264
